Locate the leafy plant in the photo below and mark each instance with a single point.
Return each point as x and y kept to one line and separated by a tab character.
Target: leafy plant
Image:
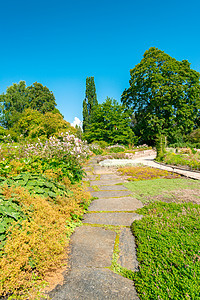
10	212
191	161
38	185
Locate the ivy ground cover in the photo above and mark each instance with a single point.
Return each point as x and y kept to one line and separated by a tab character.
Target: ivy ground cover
168	239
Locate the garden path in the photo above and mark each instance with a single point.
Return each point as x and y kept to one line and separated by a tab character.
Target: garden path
103	243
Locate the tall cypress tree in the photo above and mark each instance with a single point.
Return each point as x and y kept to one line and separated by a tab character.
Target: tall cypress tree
89	102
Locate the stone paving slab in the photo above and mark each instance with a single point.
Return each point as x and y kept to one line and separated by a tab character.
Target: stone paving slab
91	247
113	188
123	218
94	284
99	170
110	194
115	204
106	182
108	188
109	177
128	258
93	177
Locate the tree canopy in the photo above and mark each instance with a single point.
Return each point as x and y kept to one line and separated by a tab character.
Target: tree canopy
164	96
19	97
33	124
109	123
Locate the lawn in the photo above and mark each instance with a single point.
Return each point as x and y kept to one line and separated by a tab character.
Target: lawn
165	189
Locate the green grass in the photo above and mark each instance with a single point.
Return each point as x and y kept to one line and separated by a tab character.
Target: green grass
147	190
168	239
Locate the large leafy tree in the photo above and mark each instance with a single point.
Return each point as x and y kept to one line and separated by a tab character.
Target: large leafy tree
110	123
33	124
13	102
90	102
19	97
40	98
164	96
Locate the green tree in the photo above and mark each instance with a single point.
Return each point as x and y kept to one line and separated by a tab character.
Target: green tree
164	96
13	102
33	124
110	123
40	98
90	102
18	97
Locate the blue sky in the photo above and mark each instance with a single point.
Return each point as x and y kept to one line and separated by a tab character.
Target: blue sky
60	43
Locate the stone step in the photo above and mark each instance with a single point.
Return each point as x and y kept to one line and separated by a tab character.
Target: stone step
91	247
118	218
94	284
110	194
115	204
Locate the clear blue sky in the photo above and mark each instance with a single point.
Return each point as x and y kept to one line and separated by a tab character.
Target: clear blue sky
60	43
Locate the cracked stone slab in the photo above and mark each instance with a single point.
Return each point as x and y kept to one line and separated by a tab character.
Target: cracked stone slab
115	204
110	194
123	218
106	182
127	247
94	284
91	247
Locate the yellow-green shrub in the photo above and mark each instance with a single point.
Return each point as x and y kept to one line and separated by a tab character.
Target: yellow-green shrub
38	243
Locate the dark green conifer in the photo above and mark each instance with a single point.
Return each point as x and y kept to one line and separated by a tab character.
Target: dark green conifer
90	102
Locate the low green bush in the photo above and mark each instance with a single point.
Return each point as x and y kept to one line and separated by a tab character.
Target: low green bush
191	161
116	149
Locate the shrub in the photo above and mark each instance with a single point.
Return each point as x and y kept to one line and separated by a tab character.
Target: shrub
116	149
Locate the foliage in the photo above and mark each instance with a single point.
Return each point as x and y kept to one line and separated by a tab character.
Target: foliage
145	173
65	146
33	124
10	212
116	149
18	97
164	96
37	185
194	136
190	160
90	102
39	209
13	102
109	123
151	190
36	244
167	241
161	145
95	148
2	133
40	98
